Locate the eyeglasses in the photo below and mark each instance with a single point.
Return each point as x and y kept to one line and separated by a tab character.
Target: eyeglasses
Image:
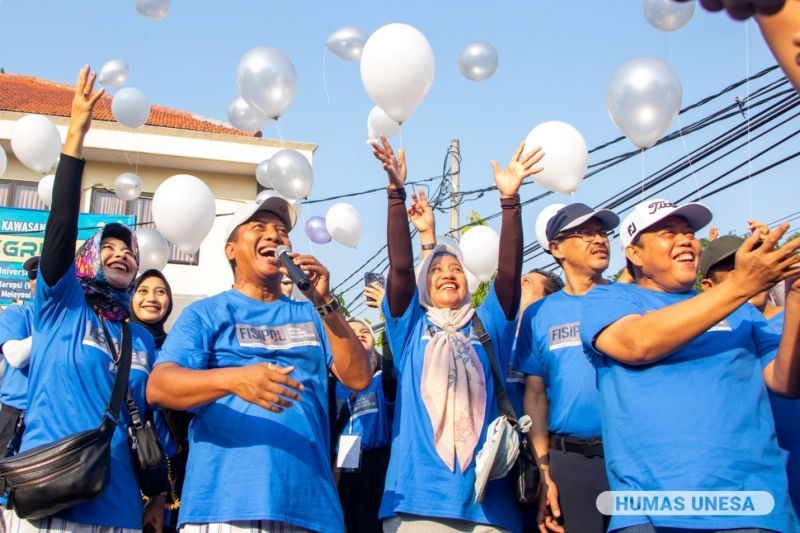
588	235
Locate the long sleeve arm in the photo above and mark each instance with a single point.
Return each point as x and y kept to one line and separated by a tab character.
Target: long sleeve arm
509	270
400	283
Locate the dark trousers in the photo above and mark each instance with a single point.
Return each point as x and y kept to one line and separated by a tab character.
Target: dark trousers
361	492
580	480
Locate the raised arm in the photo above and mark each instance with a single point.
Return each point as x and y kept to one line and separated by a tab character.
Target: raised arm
58	250
421	215
509	269
400	282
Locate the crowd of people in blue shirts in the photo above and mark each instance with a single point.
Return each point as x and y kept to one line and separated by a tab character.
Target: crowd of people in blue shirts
284	415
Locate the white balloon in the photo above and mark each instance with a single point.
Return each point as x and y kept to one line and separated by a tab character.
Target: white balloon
347	43
480	246
668	15
127	186
152	9
3	161
153	249
344	224
267	80
540	228
245	118
566	156
472	281
114	73
184	211
262	174
379	123
397	68
45	190
290	174
643	99
36	143
478	61
130	107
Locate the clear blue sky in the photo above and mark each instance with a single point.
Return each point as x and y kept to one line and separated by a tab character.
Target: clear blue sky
556	59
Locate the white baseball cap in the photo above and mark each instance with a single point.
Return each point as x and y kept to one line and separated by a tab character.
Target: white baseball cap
647	213
274	204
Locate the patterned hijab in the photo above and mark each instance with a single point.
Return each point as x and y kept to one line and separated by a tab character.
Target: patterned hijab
111	303
453	385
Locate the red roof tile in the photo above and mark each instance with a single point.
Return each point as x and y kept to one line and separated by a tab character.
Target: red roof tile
26	94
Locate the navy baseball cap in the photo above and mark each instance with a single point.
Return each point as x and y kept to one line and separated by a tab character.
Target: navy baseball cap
573	215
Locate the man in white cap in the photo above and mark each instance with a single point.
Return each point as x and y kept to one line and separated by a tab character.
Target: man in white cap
682	378
561	394
252	365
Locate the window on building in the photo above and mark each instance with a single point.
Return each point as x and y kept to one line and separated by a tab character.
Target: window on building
104	201
14	193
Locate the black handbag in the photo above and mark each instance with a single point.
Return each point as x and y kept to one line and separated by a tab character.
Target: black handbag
525	474
50	478
147	454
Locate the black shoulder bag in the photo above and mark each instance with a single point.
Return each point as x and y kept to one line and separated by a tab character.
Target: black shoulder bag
525	473
53	477
147	454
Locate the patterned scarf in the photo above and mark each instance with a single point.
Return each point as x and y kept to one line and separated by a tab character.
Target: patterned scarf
453	385
110	303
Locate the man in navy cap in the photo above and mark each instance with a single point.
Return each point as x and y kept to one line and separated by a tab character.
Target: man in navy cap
560	387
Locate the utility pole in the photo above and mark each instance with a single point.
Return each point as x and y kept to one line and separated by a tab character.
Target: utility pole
455	173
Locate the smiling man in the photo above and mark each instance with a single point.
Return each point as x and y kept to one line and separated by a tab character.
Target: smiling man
252	365
682	375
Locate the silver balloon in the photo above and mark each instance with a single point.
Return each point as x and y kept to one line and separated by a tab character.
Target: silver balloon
668	15
347	43
153	249
245	118
643	98
261	174
478	61
290	174
266	79
152	9
130	107
127	186
114	73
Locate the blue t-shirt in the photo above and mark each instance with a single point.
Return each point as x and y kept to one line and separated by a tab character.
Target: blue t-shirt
16	324
549	346
245	462
70	377
418	482
697	419
370	414
787	413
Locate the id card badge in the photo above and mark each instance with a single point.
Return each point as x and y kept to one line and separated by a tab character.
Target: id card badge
349	456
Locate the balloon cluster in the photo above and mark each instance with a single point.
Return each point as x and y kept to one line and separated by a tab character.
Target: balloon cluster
743	9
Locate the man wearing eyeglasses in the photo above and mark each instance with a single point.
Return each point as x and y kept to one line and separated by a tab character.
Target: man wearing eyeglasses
560	386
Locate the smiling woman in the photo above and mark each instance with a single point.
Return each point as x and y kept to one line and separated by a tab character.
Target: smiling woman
152	303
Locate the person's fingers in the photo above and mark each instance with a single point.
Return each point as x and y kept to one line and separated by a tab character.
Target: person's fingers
495	167
750	243
401	156
533	158
423	197
276	399
96	96
555	508
518	152
790	264
530	154
770	240
80	82
553	525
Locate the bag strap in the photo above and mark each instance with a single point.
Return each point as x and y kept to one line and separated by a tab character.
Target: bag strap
123	370
504	406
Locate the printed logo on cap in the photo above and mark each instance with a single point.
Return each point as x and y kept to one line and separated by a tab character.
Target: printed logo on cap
631	229
656	206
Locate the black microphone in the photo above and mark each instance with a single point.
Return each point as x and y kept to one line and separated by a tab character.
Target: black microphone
298	276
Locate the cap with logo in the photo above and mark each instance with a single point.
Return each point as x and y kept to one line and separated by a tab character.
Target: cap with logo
273	204
573	215
649	212
717	251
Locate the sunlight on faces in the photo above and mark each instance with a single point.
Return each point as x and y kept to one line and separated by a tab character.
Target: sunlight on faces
364	335
571	249
151	300
447	283
252	246
119	265
667	255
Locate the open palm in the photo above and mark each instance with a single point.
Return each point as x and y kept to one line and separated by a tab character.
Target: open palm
509	179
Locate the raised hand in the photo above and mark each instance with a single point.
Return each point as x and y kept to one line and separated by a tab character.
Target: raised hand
318	275
760	267
509	179
374	294
420	213
83	102
713	233
395	167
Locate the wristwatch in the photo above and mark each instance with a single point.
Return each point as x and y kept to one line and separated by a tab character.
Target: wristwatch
328	308
430	246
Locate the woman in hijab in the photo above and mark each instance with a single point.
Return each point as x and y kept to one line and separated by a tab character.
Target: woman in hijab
445	397
152	303
364	416
72	365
